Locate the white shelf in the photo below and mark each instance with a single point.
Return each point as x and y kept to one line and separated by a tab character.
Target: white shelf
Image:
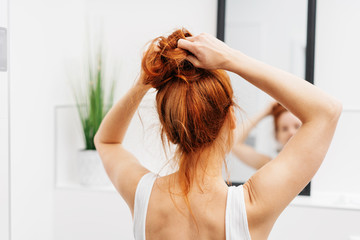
76	186
343	201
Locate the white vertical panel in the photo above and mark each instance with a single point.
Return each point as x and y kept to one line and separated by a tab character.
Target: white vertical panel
4	137
4	95
4	178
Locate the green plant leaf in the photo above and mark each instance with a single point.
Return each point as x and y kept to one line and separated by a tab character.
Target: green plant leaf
92	107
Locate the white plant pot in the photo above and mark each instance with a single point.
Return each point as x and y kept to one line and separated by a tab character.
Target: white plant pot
91	170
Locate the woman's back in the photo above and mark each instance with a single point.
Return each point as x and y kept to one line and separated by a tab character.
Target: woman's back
196	112
220	212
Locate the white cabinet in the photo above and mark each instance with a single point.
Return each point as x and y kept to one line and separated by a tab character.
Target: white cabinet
312	223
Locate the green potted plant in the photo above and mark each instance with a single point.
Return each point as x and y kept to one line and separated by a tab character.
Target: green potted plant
92	108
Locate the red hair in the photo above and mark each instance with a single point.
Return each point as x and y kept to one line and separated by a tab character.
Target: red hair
192	103
277	110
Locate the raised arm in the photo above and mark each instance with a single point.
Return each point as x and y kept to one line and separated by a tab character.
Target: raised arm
275	185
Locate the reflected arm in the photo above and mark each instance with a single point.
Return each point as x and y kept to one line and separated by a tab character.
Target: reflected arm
243	131
244	152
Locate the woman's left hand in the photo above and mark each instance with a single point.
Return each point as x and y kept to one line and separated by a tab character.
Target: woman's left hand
140	81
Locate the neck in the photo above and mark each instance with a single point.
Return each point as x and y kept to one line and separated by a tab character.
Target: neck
208	173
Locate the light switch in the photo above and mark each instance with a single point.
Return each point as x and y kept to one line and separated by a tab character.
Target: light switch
3	50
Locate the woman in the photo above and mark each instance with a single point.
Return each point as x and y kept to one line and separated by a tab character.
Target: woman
285	126
196	111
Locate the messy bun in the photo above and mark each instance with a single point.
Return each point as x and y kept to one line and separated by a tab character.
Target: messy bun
192	104
164	61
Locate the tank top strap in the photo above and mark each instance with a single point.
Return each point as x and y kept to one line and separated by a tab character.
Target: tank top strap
236	225
142	196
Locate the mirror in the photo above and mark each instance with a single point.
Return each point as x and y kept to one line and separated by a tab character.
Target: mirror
280	33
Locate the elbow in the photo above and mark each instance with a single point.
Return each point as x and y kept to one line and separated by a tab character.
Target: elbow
96	140
336	110
330	112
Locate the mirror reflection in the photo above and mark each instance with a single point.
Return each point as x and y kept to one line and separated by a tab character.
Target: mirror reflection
274	32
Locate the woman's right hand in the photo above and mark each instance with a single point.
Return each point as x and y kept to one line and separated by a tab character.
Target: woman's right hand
207	51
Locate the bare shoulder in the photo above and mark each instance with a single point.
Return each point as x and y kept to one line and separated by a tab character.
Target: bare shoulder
259	226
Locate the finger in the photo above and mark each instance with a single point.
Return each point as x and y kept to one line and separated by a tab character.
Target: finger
191	39
187	45
193	60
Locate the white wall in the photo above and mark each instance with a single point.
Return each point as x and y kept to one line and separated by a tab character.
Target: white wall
46	35
337	62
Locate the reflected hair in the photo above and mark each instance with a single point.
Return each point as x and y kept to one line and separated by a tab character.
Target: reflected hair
277	110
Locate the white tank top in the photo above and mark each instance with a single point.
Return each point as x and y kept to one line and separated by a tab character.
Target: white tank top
235	220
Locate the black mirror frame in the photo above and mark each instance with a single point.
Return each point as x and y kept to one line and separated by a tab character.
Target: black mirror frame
310	52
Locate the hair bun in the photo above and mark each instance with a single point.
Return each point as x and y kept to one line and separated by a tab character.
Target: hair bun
164	61
278	109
